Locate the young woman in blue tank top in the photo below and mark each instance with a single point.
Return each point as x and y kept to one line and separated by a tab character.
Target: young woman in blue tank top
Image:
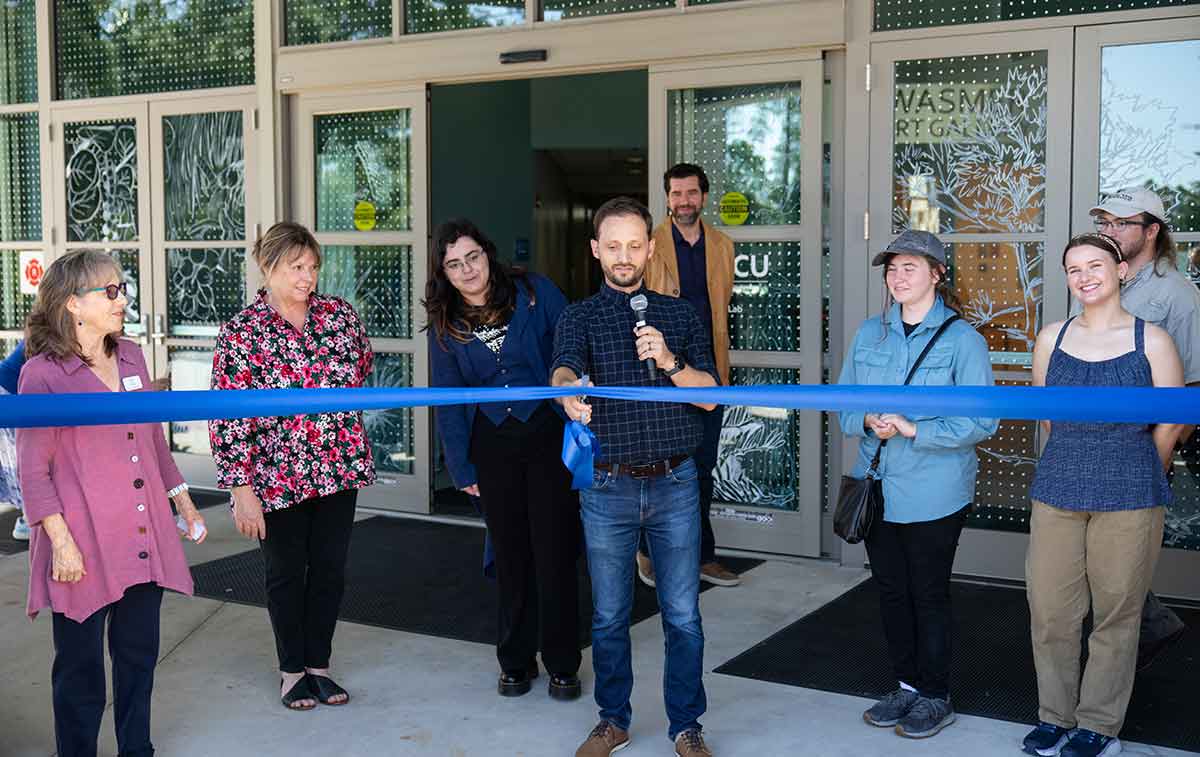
1096	524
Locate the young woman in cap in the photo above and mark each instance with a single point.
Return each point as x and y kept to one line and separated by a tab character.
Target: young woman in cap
928	473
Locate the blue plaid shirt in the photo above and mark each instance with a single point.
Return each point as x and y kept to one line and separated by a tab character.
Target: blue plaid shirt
596	337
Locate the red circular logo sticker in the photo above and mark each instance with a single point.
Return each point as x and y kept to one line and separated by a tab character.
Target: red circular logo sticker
33	272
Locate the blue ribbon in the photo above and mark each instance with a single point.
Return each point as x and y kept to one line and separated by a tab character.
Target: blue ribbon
580	450
1060	403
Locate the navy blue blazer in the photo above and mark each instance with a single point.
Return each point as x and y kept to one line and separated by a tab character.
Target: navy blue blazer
524	360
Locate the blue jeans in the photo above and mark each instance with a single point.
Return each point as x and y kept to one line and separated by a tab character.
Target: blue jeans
615	510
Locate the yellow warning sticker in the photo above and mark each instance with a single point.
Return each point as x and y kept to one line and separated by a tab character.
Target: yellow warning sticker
734	208
364	215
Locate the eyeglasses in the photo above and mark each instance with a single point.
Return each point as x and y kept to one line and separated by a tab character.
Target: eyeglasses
456	267
1117	225
111	291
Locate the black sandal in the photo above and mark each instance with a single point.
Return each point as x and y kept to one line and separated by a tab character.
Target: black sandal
298	693
326	690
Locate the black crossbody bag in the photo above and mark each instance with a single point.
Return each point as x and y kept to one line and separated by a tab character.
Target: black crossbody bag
860	500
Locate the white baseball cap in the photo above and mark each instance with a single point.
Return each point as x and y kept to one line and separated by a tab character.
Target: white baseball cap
1130	202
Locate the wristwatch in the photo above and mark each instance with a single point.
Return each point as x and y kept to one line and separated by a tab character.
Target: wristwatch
679	366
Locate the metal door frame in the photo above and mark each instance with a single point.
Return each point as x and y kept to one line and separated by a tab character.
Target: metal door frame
762	529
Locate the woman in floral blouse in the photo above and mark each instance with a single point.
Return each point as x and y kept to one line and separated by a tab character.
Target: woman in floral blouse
295	479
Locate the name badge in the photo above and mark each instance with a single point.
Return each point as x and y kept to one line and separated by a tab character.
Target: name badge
132	383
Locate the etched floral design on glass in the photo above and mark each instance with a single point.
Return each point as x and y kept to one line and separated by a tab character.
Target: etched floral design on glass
756	457
362	170
204	176
969	144
101	181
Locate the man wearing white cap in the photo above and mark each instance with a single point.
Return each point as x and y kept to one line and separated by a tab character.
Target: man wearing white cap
1155	291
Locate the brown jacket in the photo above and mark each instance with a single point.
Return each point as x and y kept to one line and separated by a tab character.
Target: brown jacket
662	276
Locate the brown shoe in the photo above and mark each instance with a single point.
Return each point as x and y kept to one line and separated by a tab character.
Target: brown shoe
717	574
645	569
691	744
605	739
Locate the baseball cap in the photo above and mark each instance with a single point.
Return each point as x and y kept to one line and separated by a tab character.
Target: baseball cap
913	242
1130	202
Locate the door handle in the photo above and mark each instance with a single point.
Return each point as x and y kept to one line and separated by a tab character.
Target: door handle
159	328
144	322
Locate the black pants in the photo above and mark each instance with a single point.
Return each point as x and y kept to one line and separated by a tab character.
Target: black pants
911	563
77	677
706	460
305	554
533	518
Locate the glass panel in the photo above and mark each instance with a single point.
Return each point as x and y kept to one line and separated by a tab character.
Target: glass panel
905	14
20	178
363	172
191	369
756	460
14	306
1187	254
18	52
101	180
764	313
559	10
747	138
1150	126
377	281
315	21
969	150
1007	462
204	176
1181	527
126	47
1000	287
130	265
421	16
391	431
205	288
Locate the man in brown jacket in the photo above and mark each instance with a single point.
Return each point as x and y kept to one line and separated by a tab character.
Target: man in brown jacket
695	262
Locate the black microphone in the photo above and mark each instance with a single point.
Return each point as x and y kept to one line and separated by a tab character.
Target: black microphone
639	305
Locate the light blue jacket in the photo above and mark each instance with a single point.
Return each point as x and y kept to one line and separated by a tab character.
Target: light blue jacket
933	474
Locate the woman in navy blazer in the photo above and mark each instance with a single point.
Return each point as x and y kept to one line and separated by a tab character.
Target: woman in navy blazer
490	325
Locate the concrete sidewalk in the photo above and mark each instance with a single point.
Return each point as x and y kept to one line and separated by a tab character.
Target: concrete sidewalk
216	692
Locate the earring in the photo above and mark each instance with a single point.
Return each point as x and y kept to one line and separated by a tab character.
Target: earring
78	323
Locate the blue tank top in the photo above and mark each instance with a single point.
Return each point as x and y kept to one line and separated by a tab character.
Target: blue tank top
1100	467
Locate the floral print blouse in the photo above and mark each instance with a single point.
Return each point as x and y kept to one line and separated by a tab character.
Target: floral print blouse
292	458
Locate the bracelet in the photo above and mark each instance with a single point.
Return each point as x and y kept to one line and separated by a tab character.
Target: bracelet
177	490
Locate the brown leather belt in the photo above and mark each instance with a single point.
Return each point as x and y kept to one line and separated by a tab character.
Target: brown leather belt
648	470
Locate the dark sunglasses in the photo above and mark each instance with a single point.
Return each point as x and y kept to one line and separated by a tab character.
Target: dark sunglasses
111	291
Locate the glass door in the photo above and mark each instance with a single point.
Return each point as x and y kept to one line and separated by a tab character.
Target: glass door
756	131
361	187
1136	127
101	178
972	144
202	235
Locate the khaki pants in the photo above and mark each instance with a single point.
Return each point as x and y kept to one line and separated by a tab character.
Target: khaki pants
1104	560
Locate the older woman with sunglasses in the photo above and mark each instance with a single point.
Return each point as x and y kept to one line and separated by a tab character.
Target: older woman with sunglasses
1096	524
104	542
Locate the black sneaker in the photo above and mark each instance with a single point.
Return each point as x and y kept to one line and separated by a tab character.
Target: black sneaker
887	711
1085	743
1046	740
925	718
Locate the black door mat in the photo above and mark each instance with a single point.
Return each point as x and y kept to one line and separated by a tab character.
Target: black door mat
9	545
203	498
841	648
417	576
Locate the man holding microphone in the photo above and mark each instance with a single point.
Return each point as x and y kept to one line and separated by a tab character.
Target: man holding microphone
646	479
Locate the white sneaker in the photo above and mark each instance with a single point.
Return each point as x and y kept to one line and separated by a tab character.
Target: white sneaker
21	529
